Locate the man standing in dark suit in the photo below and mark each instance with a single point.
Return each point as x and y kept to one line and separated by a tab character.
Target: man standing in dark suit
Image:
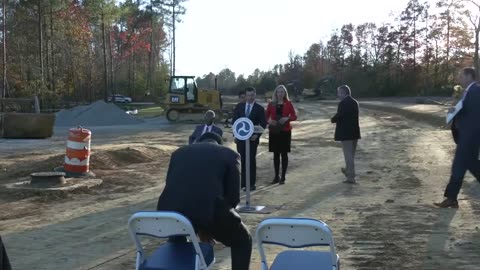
204	128
347	130
467	122
256	113
203	184
4	262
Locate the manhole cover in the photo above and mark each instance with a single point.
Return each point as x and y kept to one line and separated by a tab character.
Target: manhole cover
47	179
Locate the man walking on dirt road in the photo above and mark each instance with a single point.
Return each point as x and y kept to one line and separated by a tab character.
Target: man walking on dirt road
467	121
347	129
203	184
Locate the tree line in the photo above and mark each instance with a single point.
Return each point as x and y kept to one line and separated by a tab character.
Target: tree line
419	54
84	50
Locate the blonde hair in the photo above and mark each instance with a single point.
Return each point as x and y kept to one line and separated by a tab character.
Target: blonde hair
274	96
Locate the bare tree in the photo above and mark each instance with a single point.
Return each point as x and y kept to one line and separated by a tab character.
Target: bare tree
40	39
475	20
4	37
104	47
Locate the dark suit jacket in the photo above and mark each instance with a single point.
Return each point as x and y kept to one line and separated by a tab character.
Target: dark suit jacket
197	132
4	262
467	121
346	119
257	115
202	178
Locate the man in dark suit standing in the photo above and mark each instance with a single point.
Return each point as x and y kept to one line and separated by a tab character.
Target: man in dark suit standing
203	184
467	122
4	262
204	128
347	129
256	113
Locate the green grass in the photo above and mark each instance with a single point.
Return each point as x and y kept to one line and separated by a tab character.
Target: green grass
150	112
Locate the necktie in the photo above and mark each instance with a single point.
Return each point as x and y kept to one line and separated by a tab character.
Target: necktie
206	129
248	110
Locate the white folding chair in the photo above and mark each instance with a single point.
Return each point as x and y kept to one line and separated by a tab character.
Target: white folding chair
295	233
173	255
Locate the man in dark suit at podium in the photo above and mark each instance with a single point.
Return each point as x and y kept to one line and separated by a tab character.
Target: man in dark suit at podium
256	113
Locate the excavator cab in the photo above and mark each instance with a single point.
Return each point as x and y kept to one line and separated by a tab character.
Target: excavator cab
182	90
325	88
185	100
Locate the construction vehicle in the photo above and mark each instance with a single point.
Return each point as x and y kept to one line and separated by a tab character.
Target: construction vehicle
185	101
325	88
293	88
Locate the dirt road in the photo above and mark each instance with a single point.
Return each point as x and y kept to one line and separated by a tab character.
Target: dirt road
385	222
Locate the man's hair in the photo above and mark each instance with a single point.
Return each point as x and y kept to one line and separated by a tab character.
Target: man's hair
345	89
210	136
469	71
242	92
210	112
250	89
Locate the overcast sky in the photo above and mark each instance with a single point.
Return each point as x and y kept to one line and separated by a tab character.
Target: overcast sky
247	34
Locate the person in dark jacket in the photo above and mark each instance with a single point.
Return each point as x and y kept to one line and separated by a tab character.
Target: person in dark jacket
467	137
209	126
256	113
347	129
4	262
203	184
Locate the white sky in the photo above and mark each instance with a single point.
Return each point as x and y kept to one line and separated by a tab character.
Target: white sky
247	34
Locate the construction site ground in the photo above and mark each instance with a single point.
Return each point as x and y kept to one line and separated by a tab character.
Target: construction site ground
386	221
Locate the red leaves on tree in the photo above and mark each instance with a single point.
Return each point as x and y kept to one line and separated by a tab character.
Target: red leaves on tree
75	18
135	39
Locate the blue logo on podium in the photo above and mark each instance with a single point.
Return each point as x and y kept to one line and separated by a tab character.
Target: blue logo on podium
243	128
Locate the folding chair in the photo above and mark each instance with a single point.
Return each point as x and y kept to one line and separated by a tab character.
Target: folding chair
297	233
173	255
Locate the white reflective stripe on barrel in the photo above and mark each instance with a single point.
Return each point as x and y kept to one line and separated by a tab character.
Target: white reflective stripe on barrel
76	161
78	145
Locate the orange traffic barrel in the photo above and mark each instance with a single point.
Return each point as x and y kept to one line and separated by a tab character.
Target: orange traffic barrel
77	158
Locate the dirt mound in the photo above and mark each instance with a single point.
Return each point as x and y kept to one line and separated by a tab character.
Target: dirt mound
107	160
99	160
96	114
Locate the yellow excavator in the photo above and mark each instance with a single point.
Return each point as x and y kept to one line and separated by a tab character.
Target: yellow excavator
185	102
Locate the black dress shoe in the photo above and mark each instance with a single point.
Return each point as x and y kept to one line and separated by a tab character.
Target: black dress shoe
253	188
282	181
275	180
447	203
